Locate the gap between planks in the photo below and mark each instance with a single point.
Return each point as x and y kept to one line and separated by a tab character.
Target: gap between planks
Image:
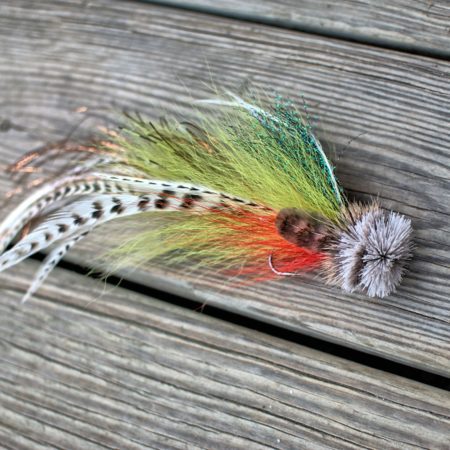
334	349
414	27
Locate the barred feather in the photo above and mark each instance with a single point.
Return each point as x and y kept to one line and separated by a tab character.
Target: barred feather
96	209
51	260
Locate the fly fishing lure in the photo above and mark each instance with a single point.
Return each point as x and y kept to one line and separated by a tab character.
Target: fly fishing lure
249	189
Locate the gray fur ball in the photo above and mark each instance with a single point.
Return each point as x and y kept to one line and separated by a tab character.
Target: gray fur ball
371	253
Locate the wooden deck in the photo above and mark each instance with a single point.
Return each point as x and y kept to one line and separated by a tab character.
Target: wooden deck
285	364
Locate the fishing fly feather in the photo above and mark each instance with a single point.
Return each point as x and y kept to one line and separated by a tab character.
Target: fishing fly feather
240	187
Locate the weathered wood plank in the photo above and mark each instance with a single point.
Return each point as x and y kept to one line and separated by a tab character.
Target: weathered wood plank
57	58
420	26
84	368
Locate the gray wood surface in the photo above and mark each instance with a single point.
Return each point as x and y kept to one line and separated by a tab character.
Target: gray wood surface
85	367
58	56
411	25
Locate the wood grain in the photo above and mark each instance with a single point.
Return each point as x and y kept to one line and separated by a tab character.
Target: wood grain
419	26
58	56
85	368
